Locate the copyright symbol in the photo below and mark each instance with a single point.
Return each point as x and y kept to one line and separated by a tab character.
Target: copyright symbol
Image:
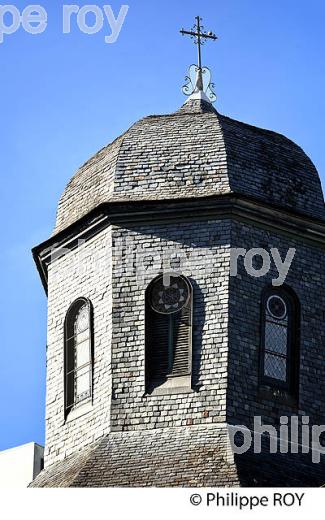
196	499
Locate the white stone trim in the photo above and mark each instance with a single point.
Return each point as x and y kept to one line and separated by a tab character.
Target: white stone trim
79	411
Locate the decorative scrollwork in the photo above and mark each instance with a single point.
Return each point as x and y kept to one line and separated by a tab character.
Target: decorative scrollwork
199	79
167	299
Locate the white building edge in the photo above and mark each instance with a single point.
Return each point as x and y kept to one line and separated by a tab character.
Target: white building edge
19	466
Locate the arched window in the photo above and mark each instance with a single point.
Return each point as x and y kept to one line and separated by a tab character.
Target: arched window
168	331
280	339
78	354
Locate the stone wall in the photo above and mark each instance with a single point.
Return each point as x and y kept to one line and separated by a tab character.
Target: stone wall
83	272
114	271
307	278
204	246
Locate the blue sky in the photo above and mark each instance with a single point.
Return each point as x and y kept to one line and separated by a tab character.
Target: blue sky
63	97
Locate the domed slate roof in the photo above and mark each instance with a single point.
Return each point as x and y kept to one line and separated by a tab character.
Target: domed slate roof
194	152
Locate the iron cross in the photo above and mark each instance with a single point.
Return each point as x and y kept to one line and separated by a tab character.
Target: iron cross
200	37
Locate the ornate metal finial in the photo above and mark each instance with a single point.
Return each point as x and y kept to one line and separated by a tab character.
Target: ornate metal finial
199	78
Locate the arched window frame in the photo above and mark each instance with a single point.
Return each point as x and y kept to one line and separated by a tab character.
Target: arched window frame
70	401
174	381
291	384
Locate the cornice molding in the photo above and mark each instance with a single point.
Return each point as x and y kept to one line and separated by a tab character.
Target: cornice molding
242	209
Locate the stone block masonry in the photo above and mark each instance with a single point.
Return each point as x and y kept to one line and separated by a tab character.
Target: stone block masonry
205	402
84	272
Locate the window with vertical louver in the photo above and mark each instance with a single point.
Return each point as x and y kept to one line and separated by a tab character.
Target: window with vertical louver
168	329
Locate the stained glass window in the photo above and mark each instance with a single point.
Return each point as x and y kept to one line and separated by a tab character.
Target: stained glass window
279	342
276	339
78	354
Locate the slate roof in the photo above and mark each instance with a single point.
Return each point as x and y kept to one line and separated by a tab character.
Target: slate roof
183	457
194	152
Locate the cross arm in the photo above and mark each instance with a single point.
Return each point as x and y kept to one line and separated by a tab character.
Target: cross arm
202	35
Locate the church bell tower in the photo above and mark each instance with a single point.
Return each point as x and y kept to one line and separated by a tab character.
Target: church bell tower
172	314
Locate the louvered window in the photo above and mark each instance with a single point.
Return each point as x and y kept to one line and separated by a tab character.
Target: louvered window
78	354
168	329
280	340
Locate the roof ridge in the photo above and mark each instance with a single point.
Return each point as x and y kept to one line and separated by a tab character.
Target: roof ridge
92	450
